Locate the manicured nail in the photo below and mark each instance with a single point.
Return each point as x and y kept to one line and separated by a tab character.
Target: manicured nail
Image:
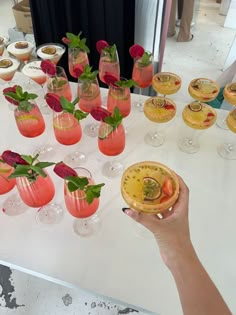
124	209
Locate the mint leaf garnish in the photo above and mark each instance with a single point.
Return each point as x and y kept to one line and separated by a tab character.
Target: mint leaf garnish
145	60
88	74
77	42
69	107
115	120
126	83
111	52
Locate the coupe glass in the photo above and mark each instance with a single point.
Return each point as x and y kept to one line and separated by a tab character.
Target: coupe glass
51	51
111	142
142	74
87	220
166	83
59	84
21	50
230	96
109	64
8	68
159	110
76	56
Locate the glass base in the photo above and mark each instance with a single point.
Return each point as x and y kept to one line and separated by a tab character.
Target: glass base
221	121
13	206
88	226
139	105
227	151
50	214
44	151
154	139
91	130
112	169
75	159
188	145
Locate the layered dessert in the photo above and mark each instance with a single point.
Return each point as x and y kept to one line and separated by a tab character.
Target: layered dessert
8	67
33	71
51	51
21	50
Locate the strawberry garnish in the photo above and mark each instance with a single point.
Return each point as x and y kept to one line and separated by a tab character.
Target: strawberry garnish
78	70
53	101
136	51
12	158
110	79
167	187
65	40
100	113
48	67
63	170
8	98
164	199
177	82
215	91
100	45
206	120
210	115
169	107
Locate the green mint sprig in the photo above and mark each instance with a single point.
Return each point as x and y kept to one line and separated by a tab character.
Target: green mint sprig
82	183
126	83
145	60
57	83
111	52
32	170
88	74
69	107
23	98
115	120
77	42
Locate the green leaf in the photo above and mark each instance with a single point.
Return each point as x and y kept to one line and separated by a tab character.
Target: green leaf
38	170
111	52
92	192
27	158
77	42
72	187
19	92
20	96
66	105
11	95
88	74
127	84
115	120
32	96
79	115
145	60
44	164
75	101
25	106
79	182
20	171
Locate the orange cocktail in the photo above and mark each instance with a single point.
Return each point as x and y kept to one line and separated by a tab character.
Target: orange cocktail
231	120
203	89
6	184
166	83
230	93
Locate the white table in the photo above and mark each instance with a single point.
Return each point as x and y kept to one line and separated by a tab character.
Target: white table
116	263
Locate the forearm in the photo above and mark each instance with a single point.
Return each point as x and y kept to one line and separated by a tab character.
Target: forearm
197	292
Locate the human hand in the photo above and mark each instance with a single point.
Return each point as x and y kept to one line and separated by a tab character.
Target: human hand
171	228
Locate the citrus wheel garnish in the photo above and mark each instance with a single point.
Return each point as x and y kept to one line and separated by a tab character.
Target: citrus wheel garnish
21	45
104	131
49	50
4	168
151	188
195	107
233	87
5	63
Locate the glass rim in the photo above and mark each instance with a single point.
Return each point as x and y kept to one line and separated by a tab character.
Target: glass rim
51	43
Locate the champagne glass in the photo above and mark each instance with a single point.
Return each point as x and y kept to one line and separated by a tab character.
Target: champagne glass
59	84
230	96
8	68
109	62
166	83
76	56
51	51
87	220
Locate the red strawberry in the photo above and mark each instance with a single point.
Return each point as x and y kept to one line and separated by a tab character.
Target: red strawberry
101	44
169	107
110	79
65	40
164	199
167	187
207	120
48	67
215	91
63	170
8	98
78	70
210	115
53	101
12	158
136	51
177	82
100	113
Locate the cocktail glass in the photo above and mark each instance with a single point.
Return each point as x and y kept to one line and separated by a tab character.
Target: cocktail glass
76	56
142	74
87	221
203	89
6	184
109	63
230	96
166	83
3	42
111	142
119	96
197	116
227	149
21	50
59	84
89	97
159	110
51	51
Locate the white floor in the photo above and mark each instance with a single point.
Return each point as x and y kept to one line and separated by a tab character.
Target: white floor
204	56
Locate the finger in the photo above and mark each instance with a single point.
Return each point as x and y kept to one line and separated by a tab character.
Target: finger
150	221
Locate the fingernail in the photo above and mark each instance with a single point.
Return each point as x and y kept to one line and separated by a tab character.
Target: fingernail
124	209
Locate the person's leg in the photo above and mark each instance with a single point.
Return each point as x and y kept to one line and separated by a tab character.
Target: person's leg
180	9
171	27
185	25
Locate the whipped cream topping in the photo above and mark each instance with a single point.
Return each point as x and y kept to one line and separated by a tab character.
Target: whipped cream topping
13	67
19	51
60	49
33	69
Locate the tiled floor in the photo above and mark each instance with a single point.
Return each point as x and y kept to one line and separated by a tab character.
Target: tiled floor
21	294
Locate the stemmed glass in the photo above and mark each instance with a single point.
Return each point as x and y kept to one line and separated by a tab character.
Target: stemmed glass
230	96
51	51
87	220
76	56
159	110
58	83
21	50
6	184
109	62
3	42
166	83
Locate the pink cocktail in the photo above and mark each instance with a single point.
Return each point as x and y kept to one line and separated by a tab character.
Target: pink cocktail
111	142
89	95
109	63
142	74
119	97
59	84
6	184
76	57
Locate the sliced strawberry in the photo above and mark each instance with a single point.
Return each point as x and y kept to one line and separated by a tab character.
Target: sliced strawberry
65	40
110	79
136	51
101	44
53	101
63	170
8	98
210	115
78	70
167	187
164	199
177	82
100	113
48	67
12	158
169	107
215	91
207	120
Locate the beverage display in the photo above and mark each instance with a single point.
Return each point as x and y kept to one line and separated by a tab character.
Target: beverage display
111	141
119	96
199	115
76	57
159	109
230	93
67	128
30	123
33	70
59	84
8	67
231	120
6	184
3	42
149	187
21	50
51	51
166	83
203	89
